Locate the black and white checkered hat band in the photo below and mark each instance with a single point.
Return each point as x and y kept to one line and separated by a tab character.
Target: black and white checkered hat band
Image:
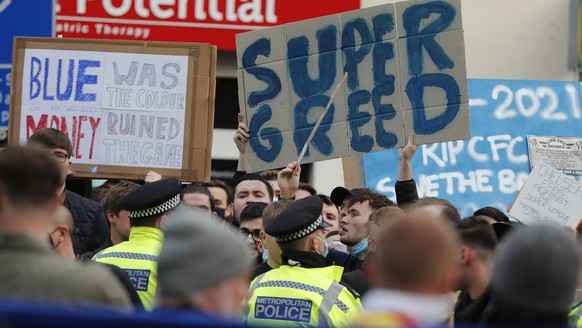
162	208
301	233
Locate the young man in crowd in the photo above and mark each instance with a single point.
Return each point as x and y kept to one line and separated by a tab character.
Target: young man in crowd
197	195
250	188
146	207
119	227
88	216
271	250
330	212
203	266
30	188
478	242
354	226
251	226
222	195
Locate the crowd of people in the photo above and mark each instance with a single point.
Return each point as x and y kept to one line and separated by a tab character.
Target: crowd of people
270	251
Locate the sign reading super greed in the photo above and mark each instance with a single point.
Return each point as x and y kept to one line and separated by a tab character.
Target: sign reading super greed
405	65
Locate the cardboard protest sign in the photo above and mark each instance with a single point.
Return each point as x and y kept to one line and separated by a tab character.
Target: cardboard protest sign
127	107
548	197
406	73
562	153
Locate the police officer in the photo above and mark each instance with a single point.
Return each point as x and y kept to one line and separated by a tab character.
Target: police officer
138	257
303	291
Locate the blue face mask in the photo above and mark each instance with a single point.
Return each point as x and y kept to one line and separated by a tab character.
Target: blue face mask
360	247
265	255
325	245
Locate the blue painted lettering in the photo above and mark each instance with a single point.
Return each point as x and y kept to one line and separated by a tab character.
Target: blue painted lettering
303	85
415	91
418	38
357	119
272	135
303	128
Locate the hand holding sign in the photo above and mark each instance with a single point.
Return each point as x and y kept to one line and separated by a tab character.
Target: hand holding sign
288	180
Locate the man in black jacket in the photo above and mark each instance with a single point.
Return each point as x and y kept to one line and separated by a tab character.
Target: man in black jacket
91	226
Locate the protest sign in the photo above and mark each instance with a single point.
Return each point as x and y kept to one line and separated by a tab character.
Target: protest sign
491	167
562	153
127	107
406	73
548	197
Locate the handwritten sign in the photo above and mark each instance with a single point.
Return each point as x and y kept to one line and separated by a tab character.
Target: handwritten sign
406	73
125	107
562	153
549	196
492	166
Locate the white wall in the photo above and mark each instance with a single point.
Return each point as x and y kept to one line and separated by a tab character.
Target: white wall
504	39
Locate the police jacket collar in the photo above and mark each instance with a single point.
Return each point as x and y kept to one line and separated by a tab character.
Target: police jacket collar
303	259
145	233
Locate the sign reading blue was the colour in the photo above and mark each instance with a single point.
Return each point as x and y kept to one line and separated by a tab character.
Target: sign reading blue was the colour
491	167
405	66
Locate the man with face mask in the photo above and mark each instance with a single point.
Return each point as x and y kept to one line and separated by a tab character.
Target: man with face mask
303	290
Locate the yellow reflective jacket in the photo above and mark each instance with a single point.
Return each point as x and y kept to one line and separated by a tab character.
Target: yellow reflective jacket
300	297
138	257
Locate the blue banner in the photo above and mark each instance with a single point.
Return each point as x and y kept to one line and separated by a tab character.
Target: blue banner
489	168
19	18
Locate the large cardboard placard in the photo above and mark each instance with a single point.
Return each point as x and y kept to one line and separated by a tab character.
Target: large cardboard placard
406	74
548	197
128	107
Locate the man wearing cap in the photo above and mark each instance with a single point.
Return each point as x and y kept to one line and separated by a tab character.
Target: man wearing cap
303	291
146	208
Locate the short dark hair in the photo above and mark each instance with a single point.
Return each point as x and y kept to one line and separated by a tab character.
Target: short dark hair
493	213
270	175
52	138
29	177
223	186
257	177
274	209
449	210
198	188
307	187
326	200
375	200
477	233
147	221
253	211
115	194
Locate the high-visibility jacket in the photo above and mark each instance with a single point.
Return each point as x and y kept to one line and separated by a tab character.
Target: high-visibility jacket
300	297
575	316
138	257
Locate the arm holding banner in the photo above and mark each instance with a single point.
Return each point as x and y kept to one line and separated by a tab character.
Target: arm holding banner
288	180
406	186
241	137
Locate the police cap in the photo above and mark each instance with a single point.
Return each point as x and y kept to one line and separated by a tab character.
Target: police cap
152	199
298	220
